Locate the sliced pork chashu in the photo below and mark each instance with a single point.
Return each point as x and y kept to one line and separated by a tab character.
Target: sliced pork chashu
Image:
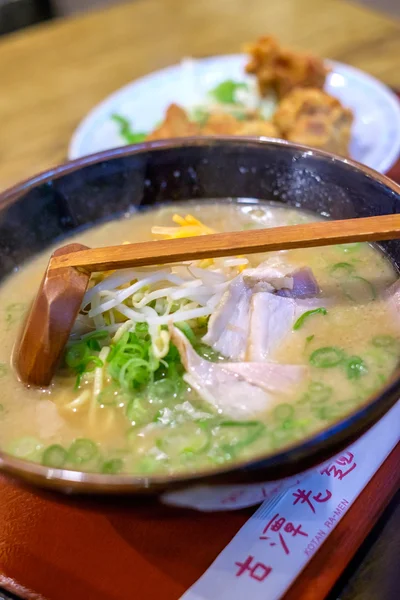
238	390
228	327
272	320
259	309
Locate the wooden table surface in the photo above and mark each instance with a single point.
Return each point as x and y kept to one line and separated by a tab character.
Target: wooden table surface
53	74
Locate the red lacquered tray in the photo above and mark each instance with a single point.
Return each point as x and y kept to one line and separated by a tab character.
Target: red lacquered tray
55	550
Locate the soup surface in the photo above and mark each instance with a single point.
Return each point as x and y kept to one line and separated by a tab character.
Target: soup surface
188	366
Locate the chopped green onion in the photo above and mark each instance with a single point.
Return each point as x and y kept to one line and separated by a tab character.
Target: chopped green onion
303	426
112	354
203	321
202	350
174	372
101	334
94	345
220	456
141	329
318	392
309	313
76	355
148	464
92	339
283	412
326	358
370	288
131	361
82	451
112	466
359	289
341	270
134	373
126	131
78	380
378	356
327	412
165	416
208	353
26	447
225	92
93	361
163	389
174	307
187	331
137	412
376	384
110	395
355	367
54	456
387	342
79	355
186	440
310	338
135	350
233	435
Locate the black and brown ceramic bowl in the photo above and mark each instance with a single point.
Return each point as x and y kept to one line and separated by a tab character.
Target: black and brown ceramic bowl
52	206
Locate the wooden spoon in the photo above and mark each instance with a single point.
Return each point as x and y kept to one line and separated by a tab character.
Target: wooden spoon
56	306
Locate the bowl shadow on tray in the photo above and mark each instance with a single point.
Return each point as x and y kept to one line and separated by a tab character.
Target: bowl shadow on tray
95	189
180	536
97	547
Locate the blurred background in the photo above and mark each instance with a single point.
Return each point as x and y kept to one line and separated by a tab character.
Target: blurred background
16	14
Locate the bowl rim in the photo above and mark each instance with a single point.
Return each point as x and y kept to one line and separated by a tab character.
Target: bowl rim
324	442
112	153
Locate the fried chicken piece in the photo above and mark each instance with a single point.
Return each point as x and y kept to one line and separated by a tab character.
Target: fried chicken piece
280	70
176	124
220	123
314	118
258	127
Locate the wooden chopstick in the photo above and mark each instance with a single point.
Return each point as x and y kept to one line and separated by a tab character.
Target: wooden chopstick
308	235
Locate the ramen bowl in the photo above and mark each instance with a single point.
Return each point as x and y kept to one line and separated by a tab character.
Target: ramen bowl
49	208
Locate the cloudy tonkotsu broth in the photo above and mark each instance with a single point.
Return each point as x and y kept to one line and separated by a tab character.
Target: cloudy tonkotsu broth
192	366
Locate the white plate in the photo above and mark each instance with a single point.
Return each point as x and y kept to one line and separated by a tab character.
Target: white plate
376	131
